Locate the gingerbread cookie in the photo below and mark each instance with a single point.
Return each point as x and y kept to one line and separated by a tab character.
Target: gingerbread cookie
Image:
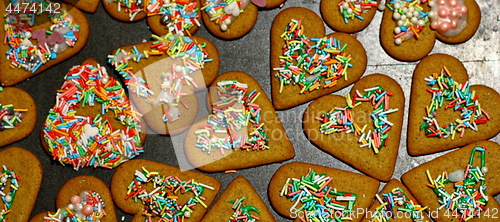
304	191
395	203
300	71
20	179
83	198
409	29
239	202
229	19
446	110
243	125
92	123
348	15
180	17
460	185
18	115
53	33
366	125
186	194
162	80
84	5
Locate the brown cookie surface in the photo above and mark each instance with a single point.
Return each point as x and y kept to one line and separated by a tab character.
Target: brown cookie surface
333	17
10	76
313	28
124	175
75	187
273	3
417	180
346	147
30	172
112	8
280	147
84	5
418	142
239	188
364	187
20	99
239	26
401	216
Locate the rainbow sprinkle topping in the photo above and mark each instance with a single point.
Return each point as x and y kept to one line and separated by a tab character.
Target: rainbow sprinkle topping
351	9
223	11
83	141
339	119
92	209
396	199
311	62
8	198
20	36
243	213
457	96
410	18
10	116
468	199
162	202
320	202
237	116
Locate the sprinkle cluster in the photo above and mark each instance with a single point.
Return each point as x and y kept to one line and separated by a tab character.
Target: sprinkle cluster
223	11
24	53
190	57
243	213
320	202
457	96
88	206
10	116
8	198
237	116
310	62
178	16
83	141
448	17
410	18
162	202
468	199
340	119
396	199
351	9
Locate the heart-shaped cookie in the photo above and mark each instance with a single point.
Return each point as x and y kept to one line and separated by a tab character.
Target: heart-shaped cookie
395	201
91	98
20	179
302	72
162	80
302	190
238	202
366	125
18	115
433	182
411	36
176	16
229	19
86	198
28	53
348	16
84	5
136	181
243	125
441	77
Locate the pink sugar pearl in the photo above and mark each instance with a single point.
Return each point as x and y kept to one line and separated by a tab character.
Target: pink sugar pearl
87	210
75	199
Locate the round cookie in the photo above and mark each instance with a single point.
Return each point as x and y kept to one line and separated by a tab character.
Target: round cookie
84	5
339	20
16	103
239	26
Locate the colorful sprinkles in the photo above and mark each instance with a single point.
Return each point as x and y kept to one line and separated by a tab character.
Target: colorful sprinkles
162	202
236	115
468	199
8	198
310	62
92	141
320	202
88	206
178	16
339	119
24	53
223	11
243	213
10	116
396	199
351	9
457	96
190	57
410	17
